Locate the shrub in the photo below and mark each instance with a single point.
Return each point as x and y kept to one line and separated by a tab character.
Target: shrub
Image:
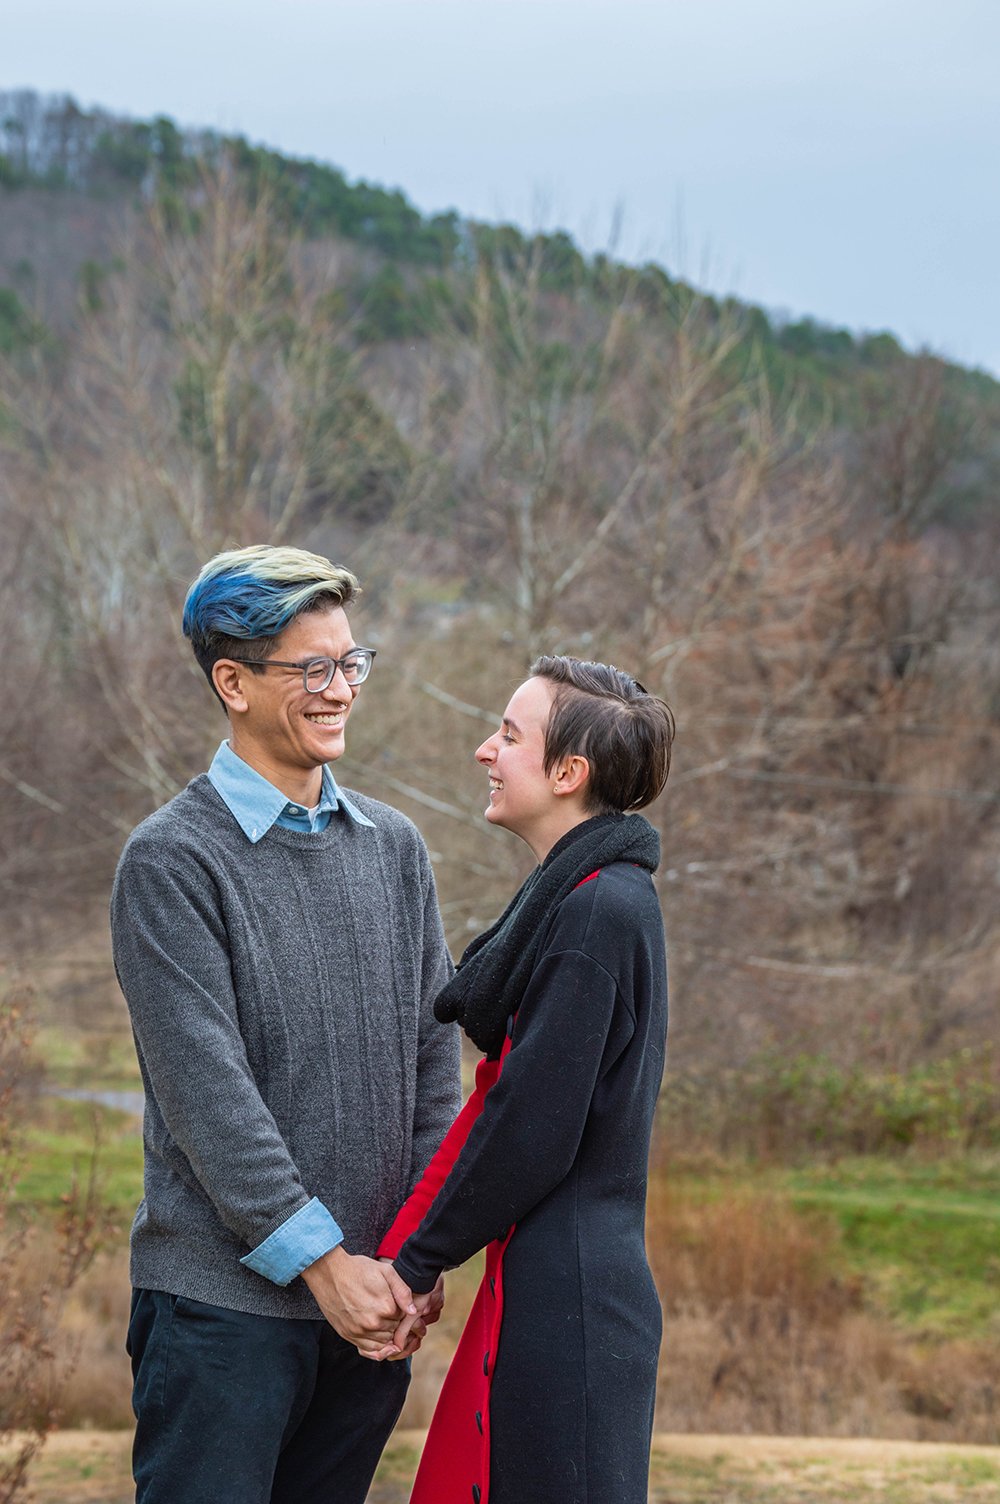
41	1263
788	1107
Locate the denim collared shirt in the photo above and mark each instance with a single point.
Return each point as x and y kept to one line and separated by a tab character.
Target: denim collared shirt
256	805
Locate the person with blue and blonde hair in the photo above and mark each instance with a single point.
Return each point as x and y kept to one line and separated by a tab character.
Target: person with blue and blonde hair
279	945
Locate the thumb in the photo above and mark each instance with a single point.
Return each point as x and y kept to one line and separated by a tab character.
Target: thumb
401	1292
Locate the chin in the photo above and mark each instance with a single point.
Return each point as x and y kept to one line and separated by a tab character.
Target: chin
330	750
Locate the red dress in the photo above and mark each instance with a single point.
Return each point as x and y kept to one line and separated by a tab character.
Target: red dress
458	1441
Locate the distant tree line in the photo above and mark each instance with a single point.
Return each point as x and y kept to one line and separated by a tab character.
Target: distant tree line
49	141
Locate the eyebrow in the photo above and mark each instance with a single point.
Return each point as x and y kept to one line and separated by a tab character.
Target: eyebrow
315	657
511	725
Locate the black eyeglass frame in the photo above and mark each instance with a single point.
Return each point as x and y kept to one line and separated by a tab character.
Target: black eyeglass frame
330	670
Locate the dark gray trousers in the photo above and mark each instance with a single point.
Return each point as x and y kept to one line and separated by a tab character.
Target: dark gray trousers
237	1409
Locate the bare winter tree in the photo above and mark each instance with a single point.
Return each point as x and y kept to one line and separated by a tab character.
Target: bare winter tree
558	465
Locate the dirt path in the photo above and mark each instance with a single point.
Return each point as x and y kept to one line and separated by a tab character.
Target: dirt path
92	1467
817	1470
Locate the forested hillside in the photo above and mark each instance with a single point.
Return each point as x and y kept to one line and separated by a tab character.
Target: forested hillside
788	530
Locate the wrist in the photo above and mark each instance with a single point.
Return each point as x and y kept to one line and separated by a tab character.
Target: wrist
420	1284
327	1267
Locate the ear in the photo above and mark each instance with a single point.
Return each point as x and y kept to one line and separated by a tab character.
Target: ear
572	775
227	677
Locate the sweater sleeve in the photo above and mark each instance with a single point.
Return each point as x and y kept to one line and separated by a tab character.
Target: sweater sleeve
415	1207
526	1137
171	957
439	1046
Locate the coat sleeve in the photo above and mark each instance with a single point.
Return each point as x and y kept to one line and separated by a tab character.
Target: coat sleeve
524	1141
172	962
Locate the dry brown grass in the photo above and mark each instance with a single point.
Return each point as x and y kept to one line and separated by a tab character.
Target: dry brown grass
97	1388
95	1380
92	1467
42	1261
762	1335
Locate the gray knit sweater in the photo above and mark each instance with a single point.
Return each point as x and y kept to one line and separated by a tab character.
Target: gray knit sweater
281	999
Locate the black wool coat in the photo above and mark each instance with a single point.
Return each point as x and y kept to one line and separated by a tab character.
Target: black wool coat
559	1153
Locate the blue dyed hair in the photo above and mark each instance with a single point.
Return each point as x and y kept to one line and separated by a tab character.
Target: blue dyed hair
243	599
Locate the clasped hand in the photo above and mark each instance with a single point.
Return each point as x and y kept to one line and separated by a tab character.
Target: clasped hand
367	1302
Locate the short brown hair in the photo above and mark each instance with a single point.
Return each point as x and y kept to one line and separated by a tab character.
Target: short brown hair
625	733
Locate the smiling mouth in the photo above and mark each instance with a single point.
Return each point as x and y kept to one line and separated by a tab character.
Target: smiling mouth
327	720
496	784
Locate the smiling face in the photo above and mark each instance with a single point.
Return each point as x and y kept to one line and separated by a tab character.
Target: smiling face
536	805
277	726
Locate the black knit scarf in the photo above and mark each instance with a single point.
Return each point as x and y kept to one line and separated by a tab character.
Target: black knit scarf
494	970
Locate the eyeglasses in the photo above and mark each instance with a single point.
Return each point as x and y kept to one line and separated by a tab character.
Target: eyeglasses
317	673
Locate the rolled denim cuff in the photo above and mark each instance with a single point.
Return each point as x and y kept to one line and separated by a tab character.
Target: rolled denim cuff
301	1239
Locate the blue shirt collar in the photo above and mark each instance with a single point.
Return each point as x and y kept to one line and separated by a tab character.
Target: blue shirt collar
256	804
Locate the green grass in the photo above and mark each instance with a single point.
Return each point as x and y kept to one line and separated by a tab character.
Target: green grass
95	1060
818	1473
803	1107
923	1235
972	1178
726	1480
59	1148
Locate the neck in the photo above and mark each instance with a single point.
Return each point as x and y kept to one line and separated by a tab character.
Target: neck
300	785
542	840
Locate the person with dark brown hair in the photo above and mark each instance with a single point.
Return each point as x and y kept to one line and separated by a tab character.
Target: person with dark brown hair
550	1394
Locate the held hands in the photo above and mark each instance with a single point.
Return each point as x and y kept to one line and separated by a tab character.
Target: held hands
367	1303
424	1311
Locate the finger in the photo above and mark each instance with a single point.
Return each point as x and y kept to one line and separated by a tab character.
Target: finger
388	1353
411	1346
435	1307
371	1337
402	1333
401	1292
408	1351
365	1343
377	1324
432	1300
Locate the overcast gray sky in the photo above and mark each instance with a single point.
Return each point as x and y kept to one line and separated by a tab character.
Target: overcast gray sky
833	157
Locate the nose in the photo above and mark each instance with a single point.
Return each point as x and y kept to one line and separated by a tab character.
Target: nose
486	752
339	688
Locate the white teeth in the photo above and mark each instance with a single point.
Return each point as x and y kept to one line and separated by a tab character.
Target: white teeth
326	720
496	783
